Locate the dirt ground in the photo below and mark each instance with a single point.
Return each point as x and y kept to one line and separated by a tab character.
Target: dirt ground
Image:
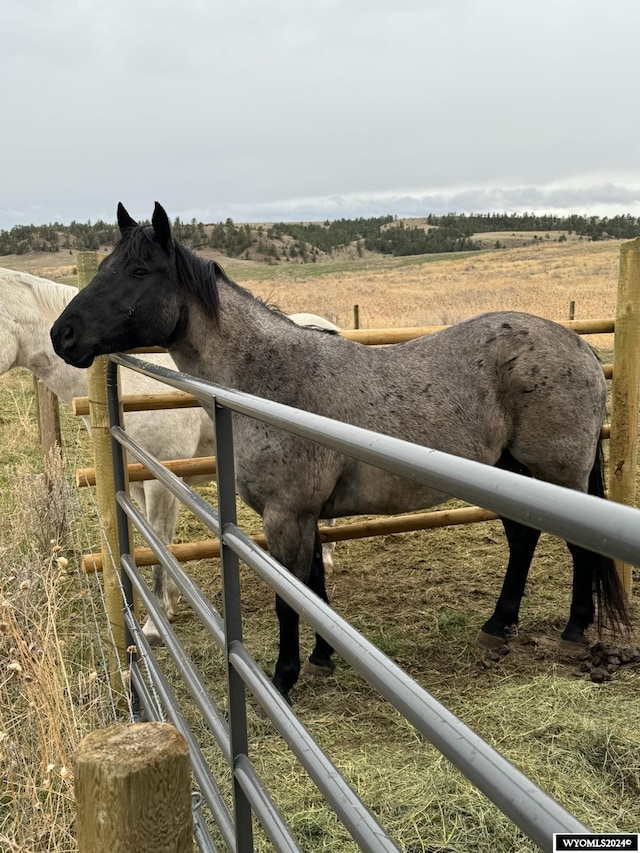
423	597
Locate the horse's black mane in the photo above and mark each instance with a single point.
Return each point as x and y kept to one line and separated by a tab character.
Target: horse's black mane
200	277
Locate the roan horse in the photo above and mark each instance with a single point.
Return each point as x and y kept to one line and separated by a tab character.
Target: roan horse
504	388
28	306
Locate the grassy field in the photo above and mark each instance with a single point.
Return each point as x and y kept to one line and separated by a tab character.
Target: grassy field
543	277
421	597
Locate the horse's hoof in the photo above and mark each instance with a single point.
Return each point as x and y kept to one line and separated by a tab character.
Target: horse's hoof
489	641
152	635
572	647
321	670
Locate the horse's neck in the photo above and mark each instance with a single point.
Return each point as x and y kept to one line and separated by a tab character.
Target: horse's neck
29	345
250	343
65	381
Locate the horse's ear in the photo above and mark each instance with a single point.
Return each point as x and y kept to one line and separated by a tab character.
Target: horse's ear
124	220
161	226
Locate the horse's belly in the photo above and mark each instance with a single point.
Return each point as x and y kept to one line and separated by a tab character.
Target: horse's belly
368	490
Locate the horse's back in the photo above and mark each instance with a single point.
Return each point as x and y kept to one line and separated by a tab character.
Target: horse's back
499	381
551	389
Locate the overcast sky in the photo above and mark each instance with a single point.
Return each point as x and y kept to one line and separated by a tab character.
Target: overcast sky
315	109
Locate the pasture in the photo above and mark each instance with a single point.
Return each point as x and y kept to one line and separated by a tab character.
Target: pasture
421	597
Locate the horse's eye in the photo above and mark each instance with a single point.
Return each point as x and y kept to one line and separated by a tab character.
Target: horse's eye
139	272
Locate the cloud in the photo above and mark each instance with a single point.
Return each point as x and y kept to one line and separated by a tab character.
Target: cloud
592	199
606	199
314	110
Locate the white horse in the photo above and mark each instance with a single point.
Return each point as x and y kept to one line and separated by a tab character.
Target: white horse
315	321
28	307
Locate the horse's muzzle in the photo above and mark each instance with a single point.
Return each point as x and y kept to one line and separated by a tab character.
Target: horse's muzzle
67	344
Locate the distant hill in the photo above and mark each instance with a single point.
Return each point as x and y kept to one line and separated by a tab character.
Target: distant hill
308	242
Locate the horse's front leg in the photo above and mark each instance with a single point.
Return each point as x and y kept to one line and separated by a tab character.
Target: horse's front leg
287	669
319	662
290	539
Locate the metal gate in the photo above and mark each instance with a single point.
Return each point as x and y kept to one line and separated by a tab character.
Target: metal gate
602	526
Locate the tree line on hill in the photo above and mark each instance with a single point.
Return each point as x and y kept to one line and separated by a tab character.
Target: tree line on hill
304	242
623	227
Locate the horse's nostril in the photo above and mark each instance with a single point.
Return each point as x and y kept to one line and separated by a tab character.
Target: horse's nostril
67	336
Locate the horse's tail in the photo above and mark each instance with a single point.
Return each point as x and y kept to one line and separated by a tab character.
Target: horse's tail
610	595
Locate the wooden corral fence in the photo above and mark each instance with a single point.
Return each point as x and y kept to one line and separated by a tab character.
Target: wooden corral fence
614	529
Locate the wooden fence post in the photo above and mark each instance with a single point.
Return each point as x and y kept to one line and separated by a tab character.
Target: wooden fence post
48	414
105	486
625	388
133	790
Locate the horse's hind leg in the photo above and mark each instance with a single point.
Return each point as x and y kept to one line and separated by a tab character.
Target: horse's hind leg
582	610
161	509
522	543
595	577
319	662
328	549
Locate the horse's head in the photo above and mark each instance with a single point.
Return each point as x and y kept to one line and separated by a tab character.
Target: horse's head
134	300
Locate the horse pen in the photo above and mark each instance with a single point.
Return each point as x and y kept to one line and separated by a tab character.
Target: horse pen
316	702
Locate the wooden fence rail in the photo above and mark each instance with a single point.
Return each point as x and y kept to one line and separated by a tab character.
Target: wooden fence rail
186	551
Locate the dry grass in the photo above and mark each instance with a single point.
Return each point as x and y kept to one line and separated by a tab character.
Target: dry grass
422	290
51	693
46	264
38	723
540	279
421	598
